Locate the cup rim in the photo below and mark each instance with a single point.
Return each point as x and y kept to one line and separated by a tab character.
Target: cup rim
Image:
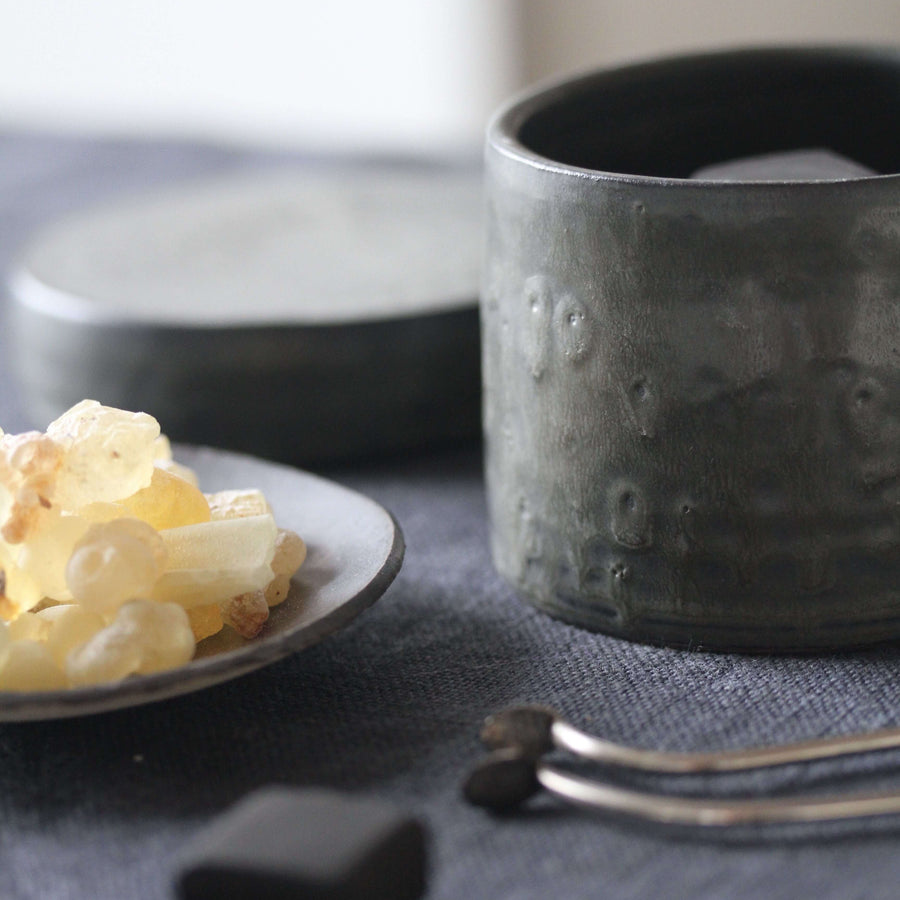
505	125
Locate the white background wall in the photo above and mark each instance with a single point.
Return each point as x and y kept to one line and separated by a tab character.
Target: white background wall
411	74
579	33
396	75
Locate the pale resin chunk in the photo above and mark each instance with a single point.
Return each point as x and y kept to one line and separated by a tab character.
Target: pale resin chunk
114	562
169	501
218	559
237	504
290	552
278	589
29	666
29	469
28	627
44	557
246	613
68	626
206	620
162	459
108	453
145	637
18	590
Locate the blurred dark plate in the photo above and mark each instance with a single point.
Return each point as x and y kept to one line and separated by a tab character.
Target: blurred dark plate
303	315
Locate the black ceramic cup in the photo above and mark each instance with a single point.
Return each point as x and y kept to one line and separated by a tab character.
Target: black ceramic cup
692	386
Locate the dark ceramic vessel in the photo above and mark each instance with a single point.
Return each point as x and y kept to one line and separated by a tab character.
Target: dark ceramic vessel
692	387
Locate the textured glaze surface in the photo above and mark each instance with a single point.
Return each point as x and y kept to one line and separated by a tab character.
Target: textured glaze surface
692	391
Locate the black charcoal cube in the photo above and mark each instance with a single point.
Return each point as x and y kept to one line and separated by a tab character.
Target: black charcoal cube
315	844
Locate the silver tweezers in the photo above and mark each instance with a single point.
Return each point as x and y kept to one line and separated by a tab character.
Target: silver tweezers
520	737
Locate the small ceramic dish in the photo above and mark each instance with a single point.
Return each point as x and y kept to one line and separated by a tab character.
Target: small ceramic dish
355	550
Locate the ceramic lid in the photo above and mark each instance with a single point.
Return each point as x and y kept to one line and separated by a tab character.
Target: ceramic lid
287	247
302	314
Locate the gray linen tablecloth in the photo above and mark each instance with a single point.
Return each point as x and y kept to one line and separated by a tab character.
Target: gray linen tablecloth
100	807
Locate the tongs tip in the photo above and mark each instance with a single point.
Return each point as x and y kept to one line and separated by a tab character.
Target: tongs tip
526	728
503	780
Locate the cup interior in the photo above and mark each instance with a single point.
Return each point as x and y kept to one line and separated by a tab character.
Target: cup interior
667	119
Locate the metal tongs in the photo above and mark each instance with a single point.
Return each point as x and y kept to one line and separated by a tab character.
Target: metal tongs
520	737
